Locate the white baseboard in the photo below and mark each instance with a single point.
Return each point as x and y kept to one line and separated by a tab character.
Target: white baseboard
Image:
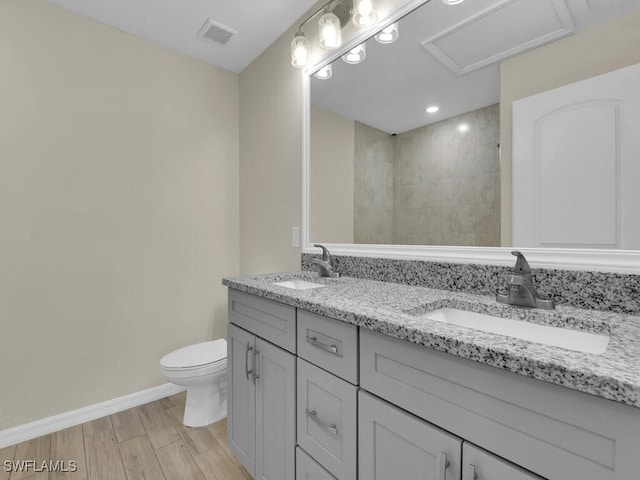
48	425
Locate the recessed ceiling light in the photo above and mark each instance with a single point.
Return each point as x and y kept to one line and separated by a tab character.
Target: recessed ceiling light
432	109
452	2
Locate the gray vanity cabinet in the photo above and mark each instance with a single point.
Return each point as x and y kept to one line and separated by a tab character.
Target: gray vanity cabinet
261	392
395	445
356	404
549	430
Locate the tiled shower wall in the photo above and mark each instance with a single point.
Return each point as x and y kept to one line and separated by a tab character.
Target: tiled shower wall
373	186
444	179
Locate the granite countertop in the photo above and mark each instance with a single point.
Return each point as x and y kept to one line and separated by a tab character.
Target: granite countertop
399	311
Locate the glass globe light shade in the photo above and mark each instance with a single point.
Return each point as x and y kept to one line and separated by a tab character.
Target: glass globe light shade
330	31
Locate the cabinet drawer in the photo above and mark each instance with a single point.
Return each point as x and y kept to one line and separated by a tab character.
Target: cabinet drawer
270	320
553	431
395	445
329	343
327	423
481	465
308	469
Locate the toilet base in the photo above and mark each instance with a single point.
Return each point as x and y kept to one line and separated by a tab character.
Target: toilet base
206	404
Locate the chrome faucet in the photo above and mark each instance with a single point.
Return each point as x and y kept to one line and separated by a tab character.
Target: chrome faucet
522	292
325	267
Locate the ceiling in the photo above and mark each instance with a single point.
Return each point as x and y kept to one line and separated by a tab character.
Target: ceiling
449	56
175	24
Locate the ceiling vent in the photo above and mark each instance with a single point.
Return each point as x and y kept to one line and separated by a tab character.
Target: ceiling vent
216	32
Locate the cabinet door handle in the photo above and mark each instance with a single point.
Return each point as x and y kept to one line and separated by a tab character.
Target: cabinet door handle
254	371
247	372
470	472
442	465
323	346
330	427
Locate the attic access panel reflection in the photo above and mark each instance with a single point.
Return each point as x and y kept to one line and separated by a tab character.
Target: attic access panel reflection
515	26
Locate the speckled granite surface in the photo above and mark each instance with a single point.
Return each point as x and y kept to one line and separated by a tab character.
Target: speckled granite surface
591	290
399	310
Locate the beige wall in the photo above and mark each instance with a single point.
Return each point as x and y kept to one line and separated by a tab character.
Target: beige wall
593	52
118	209
270	160
332	169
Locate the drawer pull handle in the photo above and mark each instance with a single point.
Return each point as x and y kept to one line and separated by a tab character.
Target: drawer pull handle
323	346
443	463
248	372
330	427
471	473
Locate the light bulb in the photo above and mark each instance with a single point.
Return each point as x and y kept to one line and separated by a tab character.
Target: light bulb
364	14
432	109
299	50
364	7
388	34
324	73
330	32
355	55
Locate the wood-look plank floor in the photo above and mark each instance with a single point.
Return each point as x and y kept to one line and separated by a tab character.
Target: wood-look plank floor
148	442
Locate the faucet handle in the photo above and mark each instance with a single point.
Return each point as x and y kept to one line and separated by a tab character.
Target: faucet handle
522	266
326	256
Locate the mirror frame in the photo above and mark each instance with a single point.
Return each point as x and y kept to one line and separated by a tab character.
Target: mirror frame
617	261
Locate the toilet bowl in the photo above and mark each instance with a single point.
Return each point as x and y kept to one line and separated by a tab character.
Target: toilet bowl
202	368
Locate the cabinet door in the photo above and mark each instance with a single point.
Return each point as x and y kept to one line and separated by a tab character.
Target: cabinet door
241	397
477	464
275	412
395	445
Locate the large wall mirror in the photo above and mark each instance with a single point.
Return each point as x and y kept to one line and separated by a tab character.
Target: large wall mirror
384	176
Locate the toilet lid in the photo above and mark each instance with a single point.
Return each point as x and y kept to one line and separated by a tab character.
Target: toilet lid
196	355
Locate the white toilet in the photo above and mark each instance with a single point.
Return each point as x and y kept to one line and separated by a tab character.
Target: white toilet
202	368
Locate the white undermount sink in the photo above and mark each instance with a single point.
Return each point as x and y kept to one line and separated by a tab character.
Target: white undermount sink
555	336
298	284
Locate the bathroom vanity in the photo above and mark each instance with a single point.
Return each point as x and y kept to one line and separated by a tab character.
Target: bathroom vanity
350	379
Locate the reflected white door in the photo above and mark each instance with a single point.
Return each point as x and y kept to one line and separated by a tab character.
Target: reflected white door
576	164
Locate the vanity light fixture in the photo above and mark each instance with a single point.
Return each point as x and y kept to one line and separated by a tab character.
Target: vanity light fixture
330	30
432	109
463	127
388	34
324	73
452	2
364	14
355	55
335	14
